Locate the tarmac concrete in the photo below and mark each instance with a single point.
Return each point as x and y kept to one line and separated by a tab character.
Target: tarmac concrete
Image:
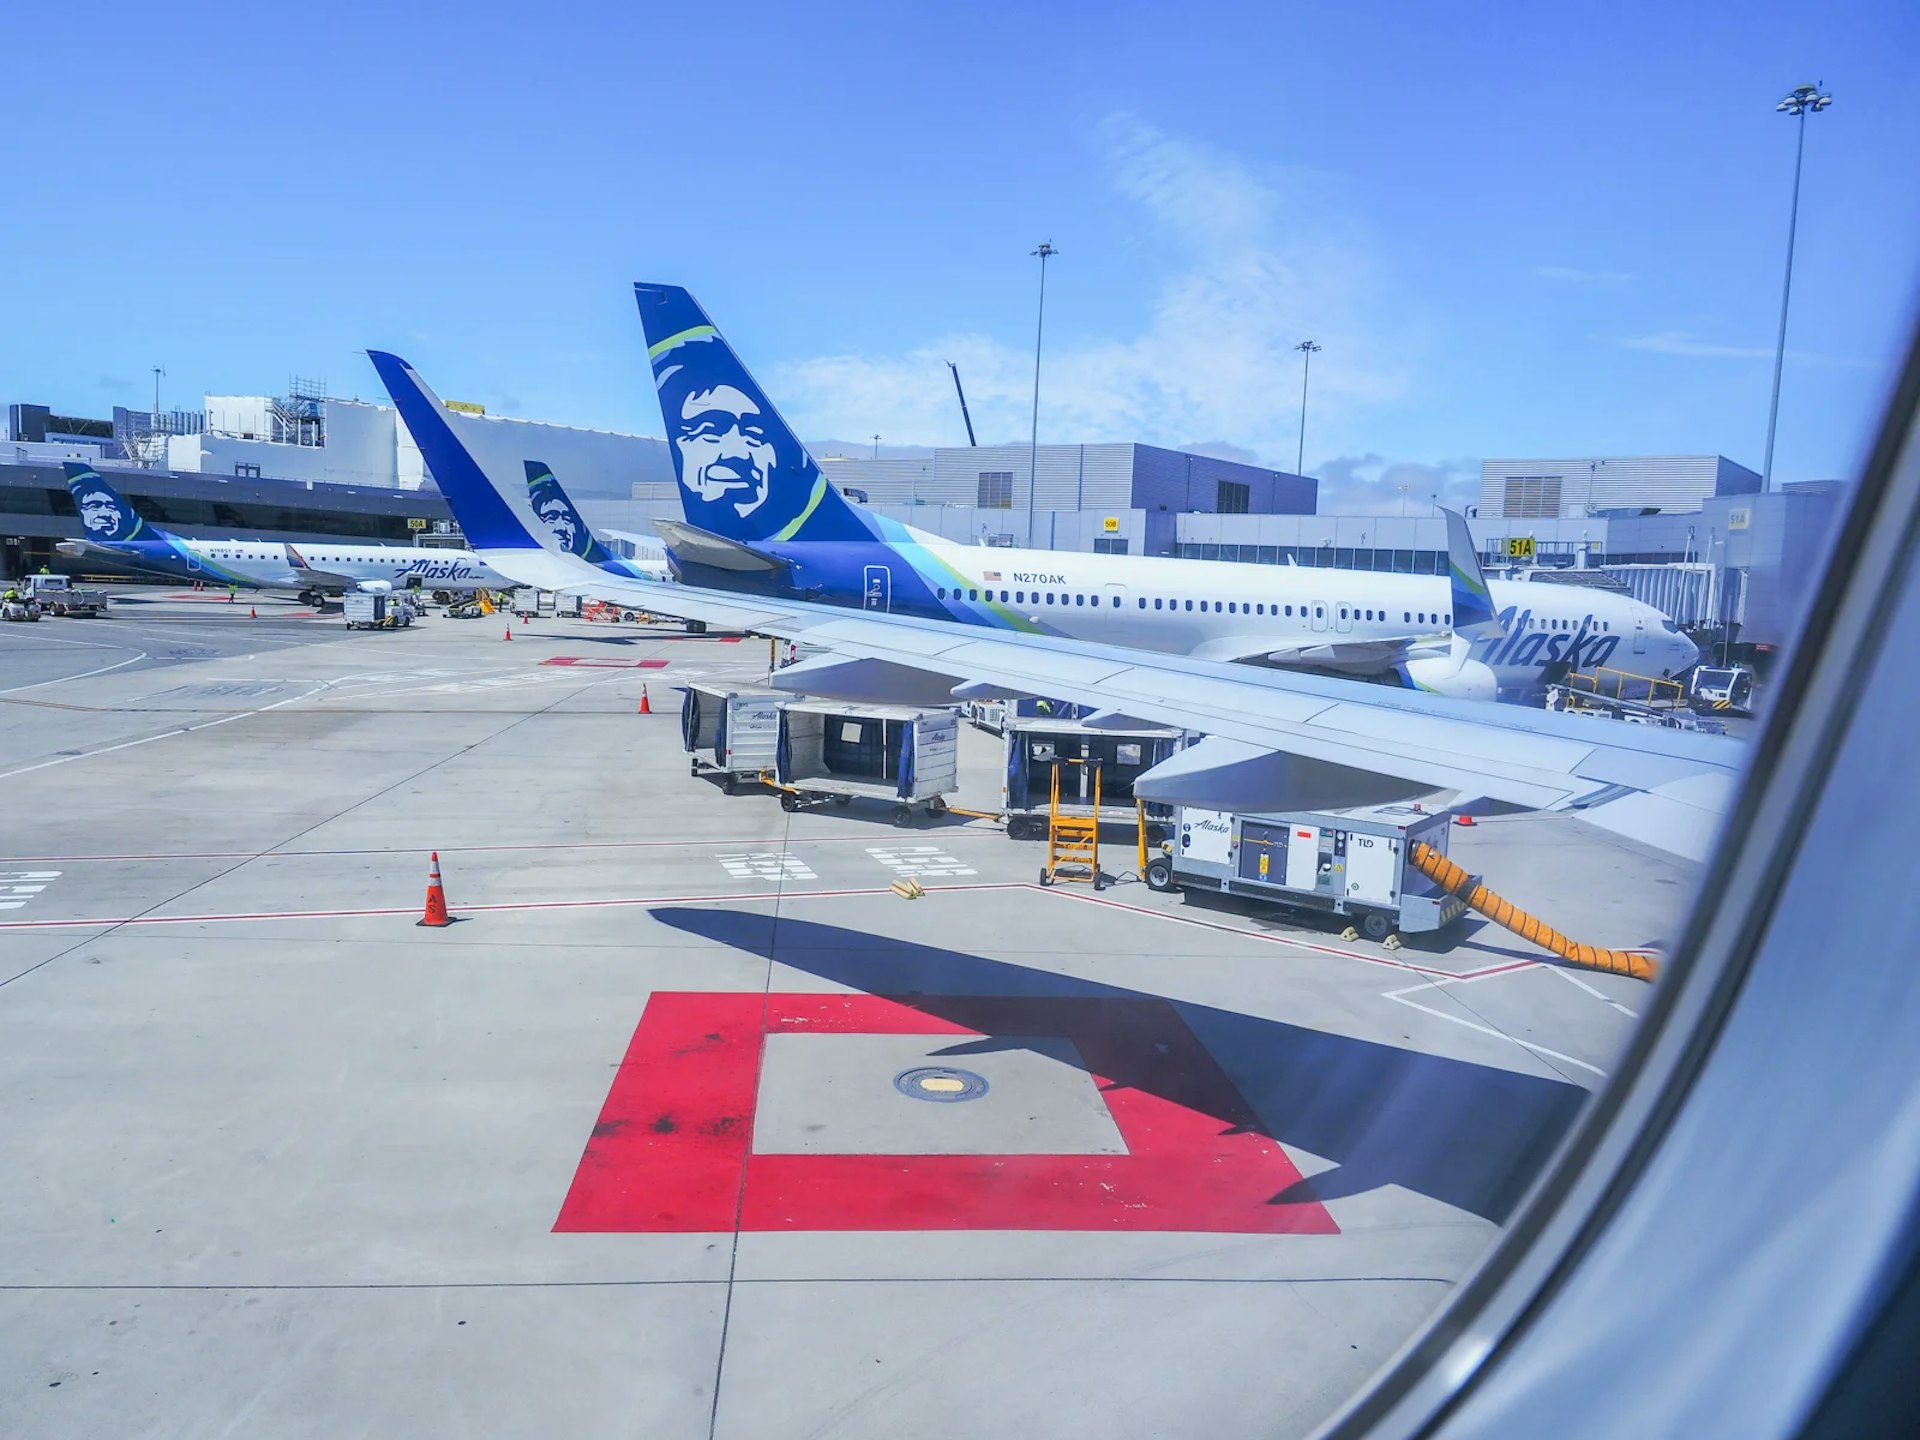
279	1161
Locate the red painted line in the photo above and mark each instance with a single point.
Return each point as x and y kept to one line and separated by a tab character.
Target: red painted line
500	907
670	1137
1361	956
675	1136
955	833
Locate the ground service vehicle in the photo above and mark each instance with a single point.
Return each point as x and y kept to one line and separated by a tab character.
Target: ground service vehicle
1353	862
1723	687
58	595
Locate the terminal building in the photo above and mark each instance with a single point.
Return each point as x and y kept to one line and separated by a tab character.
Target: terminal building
1689	534
1119	499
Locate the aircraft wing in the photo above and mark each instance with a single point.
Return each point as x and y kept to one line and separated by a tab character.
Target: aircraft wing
1666	788
1275	736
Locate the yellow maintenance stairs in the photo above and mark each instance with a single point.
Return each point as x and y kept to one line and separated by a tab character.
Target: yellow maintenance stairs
1073	841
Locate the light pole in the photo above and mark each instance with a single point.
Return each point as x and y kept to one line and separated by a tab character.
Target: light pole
1045	252
1307	348
876	447
157	373
1805	100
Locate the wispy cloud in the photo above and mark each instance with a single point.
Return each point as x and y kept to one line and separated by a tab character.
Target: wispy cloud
1573	276
1212	355
1374	485
113	382
1686	344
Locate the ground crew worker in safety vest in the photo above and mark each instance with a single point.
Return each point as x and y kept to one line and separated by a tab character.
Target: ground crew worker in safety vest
232	590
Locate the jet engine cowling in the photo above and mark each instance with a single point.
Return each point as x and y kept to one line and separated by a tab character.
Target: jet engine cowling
1458	679
375	587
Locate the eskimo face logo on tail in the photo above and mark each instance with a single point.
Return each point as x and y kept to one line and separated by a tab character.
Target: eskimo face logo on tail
556	513
724	450
106	519
738	475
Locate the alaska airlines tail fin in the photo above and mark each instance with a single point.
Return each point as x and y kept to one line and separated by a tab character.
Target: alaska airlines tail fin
743	473
555	508
109	519
484	516
1473	614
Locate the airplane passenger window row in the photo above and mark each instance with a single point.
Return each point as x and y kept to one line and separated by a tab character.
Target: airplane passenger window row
1020	597
1231	607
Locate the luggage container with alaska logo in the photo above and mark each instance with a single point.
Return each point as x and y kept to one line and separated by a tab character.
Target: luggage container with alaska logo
734	734
1353	862
832	750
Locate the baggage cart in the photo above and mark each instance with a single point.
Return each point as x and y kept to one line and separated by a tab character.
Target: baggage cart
903	756
734	734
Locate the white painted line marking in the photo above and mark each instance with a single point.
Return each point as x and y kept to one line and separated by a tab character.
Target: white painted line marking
919	860
1572	979
38	684
163	735
1400	997
766	865
18	886
1295	942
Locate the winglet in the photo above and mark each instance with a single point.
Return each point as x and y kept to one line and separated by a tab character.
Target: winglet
1473	614
485	518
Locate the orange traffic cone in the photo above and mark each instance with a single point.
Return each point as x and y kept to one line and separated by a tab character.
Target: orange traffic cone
509	633
436	898
646	705
1463	820
252	613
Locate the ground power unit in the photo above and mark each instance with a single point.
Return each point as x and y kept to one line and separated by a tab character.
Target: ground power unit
1353	862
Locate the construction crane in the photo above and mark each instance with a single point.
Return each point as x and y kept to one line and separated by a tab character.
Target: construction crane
963	402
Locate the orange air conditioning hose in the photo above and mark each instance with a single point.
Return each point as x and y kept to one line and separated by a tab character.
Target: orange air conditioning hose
1455	881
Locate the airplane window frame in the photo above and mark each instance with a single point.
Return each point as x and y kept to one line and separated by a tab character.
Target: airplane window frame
1517	1341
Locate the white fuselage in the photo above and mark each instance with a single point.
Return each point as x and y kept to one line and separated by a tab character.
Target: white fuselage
403	567
1227	610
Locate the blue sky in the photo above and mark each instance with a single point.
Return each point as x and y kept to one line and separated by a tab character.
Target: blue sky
1530	229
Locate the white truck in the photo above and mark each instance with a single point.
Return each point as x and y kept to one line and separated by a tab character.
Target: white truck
1727	688
58	595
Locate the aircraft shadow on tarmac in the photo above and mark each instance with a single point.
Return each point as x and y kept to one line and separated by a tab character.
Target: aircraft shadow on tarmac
1468	1135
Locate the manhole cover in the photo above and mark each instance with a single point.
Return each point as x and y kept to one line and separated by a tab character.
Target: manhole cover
940	1083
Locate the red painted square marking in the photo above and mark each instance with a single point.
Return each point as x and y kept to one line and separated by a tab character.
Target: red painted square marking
673	1148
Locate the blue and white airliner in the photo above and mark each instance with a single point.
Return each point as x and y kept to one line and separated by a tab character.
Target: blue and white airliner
761	517
324	567
1275	735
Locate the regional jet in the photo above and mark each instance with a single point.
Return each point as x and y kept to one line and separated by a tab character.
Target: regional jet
115	528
